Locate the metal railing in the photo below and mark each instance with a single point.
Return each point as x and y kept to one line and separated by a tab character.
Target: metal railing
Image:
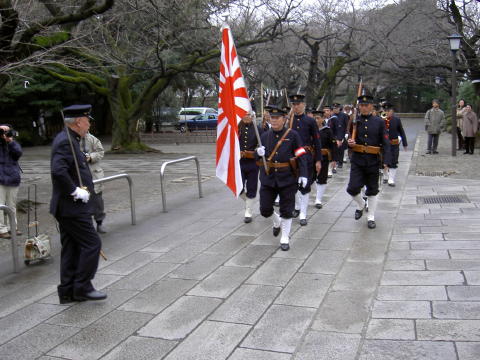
13	232
130	185
162	175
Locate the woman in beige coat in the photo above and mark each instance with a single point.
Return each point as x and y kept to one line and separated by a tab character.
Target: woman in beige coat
469	128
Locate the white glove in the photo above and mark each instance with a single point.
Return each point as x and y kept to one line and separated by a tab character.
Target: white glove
346	136
302	181
261	151
81	194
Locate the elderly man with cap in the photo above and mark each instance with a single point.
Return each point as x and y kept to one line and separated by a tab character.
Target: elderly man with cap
286	169
248	143
395	131
367	140
307	128
70	205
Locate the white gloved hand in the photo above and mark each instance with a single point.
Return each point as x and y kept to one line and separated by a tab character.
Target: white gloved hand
302	181
81	194
261	151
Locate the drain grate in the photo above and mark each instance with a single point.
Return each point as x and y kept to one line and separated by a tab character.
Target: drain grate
442	199
435	173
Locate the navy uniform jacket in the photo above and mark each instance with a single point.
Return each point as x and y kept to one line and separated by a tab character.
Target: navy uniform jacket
307	128
65	178
328	142
247	138
284	153
341	124
371	132
396	129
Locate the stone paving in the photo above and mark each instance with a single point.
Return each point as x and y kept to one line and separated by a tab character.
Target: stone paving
198	283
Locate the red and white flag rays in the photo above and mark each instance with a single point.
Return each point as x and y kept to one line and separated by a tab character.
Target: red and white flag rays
233	105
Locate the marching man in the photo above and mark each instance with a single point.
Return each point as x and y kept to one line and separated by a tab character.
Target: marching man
368	138
248	143
285	157
394	127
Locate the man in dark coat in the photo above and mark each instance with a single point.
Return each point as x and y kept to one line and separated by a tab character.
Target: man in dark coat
285	173
396	134
328	146
72	185
368	139
248	143
307	128
339	132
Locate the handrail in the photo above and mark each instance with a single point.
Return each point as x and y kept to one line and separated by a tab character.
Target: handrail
13	232
130	185
162	175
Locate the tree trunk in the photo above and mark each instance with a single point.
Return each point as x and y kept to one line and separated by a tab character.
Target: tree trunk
312	74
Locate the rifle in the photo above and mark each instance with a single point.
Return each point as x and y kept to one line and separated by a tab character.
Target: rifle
353	121
321	102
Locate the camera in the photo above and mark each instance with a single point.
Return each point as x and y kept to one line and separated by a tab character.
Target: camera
10	133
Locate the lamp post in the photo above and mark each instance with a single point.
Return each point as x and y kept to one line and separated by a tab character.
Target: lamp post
454	46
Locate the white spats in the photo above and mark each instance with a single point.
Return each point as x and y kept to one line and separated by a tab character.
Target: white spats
276	220
359	201
303	205
298	199
249	207
391	176
286	226
320	191
372	206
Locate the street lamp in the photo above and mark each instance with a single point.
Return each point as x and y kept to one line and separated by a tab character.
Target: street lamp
454	46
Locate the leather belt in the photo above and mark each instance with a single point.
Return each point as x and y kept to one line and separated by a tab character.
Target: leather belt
394	141
366	149
274	165
247	154
328	153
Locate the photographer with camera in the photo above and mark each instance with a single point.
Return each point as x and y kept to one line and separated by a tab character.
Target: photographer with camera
10	152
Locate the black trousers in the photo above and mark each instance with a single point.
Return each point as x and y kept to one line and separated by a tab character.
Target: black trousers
361	176
469	144
268	195
249	176
323	175
79	257
461	144
394	153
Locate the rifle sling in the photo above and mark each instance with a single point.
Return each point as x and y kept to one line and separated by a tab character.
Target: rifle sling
269	159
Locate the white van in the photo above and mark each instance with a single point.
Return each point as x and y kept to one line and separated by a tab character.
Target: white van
190	112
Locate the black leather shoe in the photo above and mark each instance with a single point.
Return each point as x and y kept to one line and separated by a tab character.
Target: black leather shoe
276	231
284	247
276	203
92	295
428	152
340	166
318	206
435	152
392	184
385	181
247	220
65	299
358	214
466	152
371	224
295	213
334	171
303	222
101	229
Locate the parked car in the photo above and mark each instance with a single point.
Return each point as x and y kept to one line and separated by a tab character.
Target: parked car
190	112
199	122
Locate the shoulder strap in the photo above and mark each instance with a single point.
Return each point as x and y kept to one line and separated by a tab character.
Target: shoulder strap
278	145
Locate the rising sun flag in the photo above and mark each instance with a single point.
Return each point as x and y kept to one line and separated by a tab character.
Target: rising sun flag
233	105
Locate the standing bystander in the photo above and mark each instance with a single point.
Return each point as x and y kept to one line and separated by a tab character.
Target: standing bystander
470	128
434	122
10	152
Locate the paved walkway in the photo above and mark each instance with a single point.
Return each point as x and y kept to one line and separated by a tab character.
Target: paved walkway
197	283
